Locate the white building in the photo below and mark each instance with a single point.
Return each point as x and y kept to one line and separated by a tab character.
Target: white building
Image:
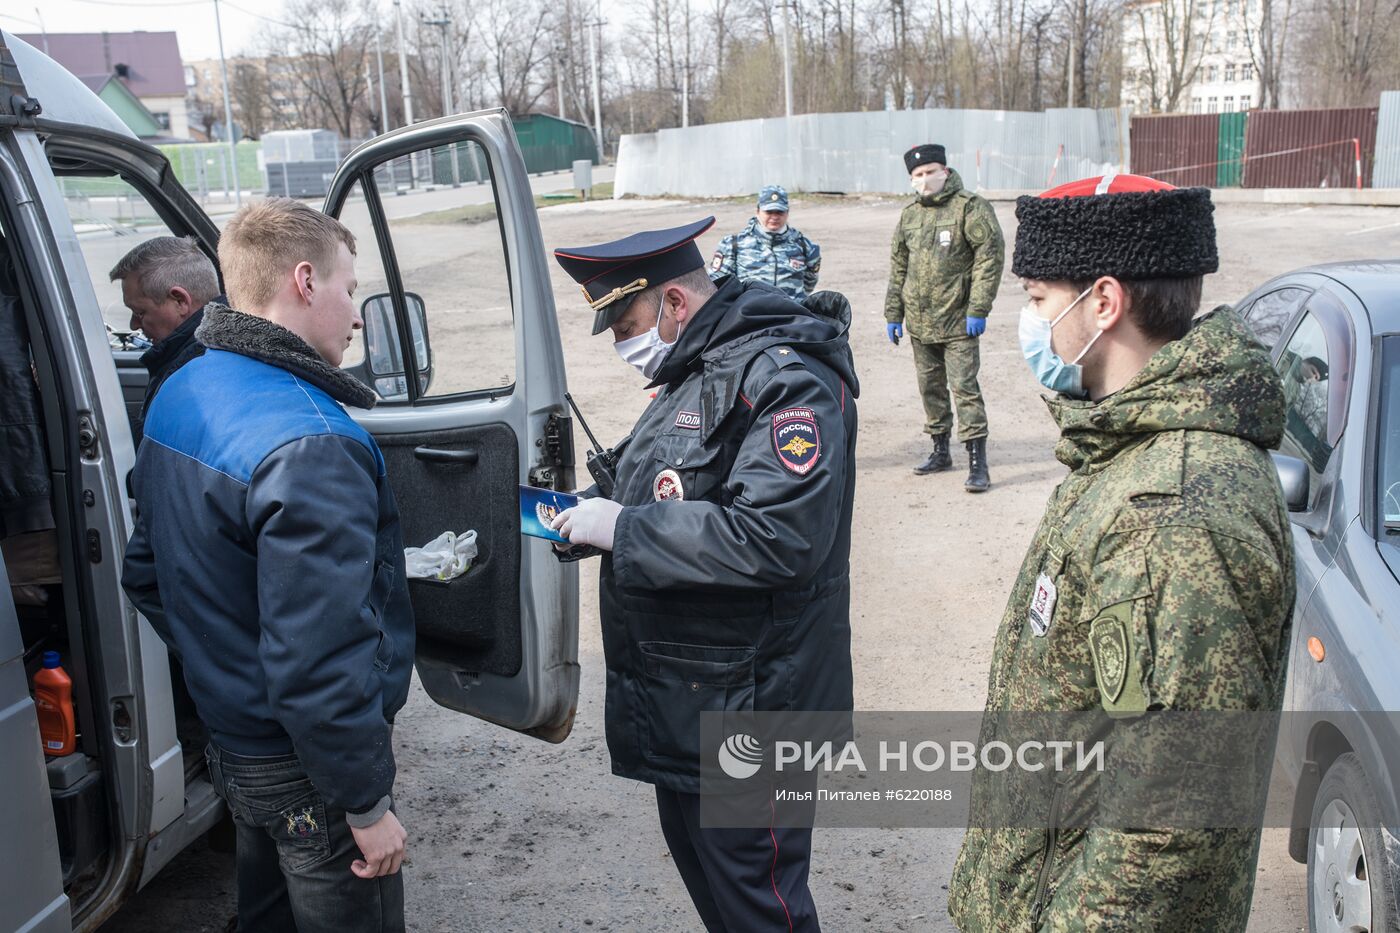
1219	64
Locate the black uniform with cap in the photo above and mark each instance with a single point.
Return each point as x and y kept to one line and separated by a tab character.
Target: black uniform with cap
727	587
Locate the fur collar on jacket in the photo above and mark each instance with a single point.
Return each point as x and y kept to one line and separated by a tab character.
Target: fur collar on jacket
226	329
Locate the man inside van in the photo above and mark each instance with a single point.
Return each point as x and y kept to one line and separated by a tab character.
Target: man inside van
166	282
269	557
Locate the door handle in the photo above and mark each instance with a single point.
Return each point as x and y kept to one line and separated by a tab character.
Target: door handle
466	456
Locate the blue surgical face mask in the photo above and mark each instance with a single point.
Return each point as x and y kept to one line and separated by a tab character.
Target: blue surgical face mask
1052	371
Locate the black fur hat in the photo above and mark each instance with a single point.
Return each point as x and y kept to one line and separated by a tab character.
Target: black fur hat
923	155
1128	226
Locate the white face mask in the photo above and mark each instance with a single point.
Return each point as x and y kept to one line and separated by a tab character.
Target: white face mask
646	352
930	184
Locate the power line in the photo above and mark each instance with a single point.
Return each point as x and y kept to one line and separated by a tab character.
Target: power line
128	3
175	3
246	12
20	19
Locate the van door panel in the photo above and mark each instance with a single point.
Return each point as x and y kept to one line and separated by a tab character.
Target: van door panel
501	642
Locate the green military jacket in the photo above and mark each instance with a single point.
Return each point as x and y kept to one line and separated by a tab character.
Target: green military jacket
1169	538
945	263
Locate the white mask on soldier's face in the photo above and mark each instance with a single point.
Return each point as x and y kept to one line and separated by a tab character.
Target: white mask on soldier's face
931	183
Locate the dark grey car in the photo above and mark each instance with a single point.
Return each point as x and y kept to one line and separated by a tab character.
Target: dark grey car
1334	334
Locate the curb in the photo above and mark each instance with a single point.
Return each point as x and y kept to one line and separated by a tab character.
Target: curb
1339	197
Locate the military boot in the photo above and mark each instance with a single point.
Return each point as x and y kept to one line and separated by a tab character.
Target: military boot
977	478
939	460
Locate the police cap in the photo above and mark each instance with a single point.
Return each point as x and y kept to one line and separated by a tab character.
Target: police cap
612	274
773	198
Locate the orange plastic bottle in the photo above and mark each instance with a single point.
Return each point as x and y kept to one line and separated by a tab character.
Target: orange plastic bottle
53	695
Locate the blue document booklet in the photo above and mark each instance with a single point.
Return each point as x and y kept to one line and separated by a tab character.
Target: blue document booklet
538	507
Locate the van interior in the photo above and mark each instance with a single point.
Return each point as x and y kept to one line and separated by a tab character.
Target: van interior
43	549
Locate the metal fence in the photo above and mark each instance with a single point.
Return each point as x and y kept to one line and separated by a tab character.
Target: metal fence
1262	148
1387	171
1180	149
862	152
1310	148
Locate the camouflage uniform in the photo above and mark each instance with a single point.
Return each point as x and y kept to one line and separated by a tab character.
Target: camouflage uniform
787	260
1170	534
945	266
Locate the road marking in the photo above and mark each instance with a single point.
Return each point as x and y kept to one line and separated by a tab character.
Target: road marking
1372	229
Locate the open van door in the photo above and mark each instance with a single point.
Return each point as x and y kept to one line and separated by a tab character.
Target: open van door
462	346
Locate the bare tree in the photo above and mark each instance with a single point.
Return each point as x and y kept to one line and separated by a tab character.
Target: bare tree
516	37
1352	43
251	93
327	48
1174	42
1267	43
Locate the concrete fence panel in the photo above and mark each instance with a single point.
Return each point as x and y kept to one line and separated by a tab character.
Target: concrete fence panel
862	152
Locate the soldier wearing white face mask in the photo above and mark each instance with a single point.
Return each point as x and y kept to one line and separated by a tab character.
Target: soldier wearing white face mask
725	547
945	267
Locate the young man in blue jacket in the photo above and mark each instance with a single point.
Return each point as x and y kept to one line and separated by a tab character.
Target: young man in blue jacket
267	553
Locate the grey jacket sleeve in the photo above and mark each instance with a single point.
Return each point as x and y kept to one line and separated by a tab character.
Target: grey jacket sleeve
779	526
313	506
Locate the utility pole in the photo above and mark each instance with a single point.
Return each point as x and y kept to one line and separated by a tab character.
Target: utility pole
559	81
403	69
1073	38
43	31
685	72
446	70
444	24
787	60
383	91
594	29
228	109
369	96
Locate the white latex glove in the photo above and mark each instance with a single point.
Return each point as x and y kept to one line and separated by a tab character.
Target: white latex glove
590	522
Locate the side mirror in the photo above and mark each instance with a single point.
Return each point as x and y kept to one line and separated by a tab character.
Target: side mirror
1293	477
384	357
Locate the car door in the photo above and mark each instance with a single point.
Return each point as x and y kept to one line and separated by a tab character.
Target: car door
455	285
1316	362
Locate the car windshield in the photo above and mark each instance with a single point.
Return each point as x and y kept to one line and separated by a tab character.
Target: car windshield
1389	439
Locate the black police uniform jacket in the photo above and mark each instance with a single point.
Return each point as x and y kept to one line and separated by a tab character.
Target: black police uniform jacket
728	584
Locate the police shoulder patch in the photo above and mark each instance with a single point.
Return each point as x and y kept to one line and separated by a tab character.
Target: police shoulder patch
797	439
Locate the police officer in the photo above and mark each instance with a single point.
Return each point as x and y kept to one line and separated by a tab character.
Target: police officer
725	546
945	267
1160	579
768	250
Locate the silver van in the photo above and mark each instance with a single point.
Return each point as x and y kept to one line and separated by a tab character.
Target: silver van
461	344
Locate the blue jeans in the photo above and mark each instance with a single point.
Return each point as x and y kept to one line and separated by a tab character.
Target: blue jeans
294	853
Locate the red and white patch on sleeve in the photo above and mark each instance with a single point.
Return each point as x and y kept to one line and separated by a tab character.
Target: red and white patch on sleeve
797	440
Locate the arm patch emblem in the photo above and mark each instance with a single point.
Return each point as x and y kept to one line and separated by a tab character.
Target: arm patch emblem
797	440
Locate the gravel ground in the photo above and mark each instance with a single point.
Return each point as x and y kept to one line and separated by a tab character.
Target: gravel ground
508	833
